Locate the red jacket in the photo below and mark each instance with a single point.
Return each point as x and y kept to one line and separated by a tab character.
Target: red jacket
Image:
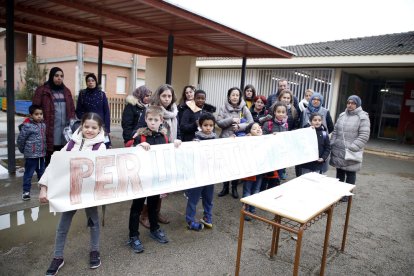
43	97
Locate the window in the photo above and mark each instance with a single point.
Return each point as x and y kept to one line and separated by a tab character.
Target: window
43	39
120	85
139	83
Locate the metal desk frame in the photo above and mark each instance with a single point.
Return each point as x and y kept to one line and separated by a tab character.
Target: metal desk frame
277	224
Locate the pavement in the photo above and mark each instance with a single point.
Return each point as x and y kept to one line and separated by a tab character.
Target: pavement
380	236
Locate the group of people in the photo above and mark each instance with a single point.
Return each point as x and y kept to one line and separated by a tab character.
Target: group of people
154	118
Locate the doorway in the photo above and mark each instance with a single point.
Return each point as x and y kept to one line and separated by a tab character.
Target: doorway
392	95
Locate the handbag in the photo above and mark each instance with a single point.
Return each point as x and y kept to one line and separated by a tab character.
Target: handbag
353	155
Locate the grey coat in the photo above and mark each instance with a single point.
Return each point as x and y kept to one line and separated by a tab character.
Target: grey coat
32	139
352	128
226	115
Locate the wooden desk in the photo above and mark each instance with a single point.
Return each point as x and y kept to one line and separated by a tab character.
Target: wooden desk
297	204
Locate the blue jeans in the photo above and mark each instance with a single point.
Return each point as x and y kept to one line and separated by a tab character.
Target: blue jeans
251	188
64	225
206	193
30	166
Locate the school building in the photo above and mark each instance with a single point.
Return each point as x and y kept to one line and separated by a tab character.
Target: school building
380	69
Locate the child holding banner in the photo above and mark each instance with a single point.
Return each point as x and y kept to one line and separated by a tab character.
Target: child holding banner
277	124
324	145
152	134
252	184
89	136
206	122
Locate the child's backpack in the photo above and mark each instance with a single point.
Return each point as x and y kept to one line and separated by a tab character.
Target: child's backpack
71	143
130	143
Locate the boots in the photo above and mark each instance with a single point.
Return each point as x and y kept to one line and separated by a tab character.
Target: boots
143	219
161	218
234	192
225	189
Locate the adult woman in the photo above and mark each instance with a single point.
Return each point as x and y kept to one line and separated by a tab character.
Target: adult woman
93	99
164	97
187	95
316	106
303	104
249	93
58	109
259	111
351	133
233	117
134	109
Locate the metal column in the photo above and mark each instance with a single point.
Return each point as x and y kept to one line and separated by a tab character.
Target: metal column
100	50
170	59
11	154
243	74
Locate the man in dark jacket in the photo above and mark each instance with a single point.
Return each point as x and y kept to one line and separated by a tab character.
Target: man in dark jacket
58	107
282	85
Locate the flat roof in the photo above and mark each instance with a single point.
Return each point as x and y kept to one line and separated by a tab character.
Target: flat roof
136	26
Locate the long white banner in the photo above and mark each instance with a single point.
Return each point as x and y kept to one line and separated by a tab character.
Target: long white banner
85	179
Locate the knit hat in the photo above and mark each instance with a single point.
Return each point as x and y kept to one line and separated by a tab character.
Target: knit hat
355	99
91	75
141	92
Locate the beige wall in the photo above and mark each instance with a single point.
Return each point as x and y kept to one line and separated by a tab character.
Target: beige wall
54	48
184	73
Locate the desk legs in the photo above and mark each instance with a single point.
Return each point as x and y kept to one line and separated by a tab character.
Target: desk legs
240	241
275	237
326	242
298	249
348	211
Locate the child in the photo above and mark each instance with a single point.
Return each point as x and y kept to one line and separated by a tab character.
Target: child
189	123
252	184
286	97
32	143
206	122
277	124
153	134
89	136
324	146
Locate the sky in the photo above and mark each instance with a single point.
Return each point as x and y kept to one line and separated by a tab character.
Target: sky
295	22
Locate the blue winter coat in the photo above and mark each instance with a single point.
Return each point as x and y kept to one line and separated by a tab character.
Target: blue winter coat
32	139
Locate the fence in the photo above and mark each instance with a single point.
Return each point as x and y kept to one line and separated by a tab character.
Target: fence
116	106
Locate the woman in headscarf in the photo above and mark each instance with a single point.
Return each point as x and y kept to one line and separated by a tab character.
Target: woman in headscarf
315	105
58	109
93	99
134	109
351	133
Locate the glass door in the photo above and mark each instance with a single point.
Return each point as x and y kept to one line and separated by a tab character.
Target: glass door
390	113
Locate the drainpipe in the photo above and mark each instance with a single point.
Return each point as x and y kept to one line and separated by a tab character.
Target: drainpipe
30	44
133	82
79	67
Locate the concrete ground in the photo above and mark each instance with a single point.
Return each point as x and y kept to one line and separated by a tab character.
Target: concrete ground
380	236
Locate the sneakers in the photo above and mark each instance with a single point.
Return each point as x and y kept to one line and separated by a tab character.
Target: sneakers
247	218
159	236
284	176
192	225
26	196
136	245
94	259
55	266
207	222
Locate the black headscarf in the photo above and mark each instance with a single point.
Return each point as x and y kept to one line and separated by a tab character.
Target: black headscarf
92	75
52	73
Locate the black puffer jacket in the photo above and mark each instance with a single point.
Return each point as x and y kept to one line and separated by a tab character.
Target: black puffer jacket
151	137
130	117
188	125
324	148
